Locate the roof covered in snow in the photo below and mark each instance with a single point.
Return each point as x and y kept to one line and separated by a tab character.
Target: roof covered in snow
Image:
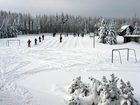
123	30
124	27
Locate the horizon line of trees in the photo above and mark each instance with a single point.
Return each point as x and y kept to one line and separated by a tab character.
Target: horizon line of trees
12	24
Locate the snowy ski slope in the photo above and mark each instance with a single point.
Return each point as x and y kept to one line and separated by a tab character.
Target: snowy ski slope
39	75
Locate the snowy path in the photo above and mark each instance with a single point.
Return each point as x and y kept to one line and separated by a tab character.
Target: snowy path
46	69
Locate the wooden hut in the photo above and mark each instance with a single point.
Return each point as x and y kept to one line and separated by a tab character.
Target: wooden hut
124	29
131	37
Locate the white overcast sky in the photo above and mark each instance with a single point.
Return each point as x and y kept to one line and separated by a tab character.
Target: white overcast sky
107	8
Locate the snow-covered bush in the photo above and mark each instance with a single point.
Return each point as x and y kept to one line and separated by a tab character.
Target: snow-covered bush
74	101
75	85
105	92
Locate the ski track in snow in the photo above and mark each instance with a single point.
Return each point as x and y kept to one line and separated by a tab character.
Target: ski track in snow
73	54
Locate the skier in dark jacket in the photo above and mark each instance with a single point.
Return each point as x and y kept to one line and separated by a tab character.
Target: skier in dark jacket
60	38
54	34
42	37
67	34
35	41
39	39
29	43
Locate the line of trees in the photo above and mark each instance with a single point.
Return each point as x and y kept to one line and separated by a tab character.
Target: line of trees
12	24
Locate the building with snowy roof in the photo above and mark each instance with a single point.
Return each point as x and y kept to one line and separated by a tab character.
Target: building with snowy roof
127	32
124	28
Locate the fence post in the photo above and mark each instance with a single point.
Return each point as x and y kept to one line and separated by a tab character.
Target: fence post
93	41
112	56
127	54
19	42
120	57
135	55
8	43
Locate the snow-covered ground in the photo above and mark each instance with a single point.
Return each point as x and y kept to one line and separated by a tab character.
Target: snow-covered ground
39	75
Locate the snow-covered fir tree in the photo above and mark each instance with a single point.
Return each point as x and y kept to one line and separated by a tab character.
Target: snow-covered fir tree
8	28
128	31
102	32
136	29
111	36
28	24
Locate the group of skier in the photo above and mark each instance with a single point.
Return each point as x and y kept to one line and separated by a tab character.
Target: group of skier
40	38
60	38
82	35
78	34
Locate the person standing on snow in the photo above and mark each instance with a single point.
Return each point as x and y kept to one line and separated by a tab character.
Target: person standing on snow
35	41
39	39
42	37
29	43
60	38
